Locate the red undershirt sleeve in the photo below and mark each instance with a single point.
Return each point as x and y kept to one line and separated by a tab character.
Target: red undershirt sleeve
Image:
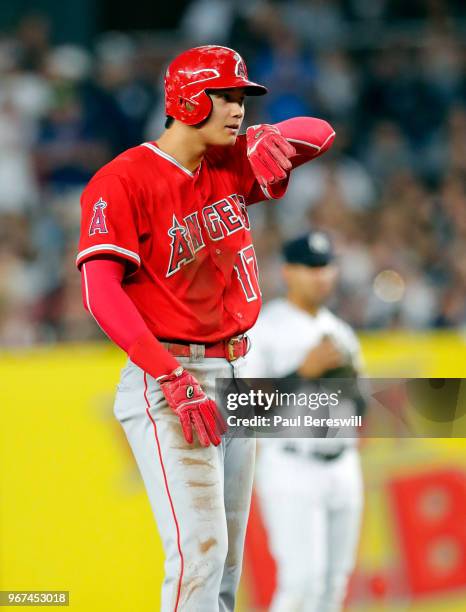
310	136
117	316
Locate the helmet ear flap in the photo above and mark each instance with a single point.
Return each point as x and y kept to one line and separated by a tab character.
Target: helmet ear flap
186	110
206	105
194	112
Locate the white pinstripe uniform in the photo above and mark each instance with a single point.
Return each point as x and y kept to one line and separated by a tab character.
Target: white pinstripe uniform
311	506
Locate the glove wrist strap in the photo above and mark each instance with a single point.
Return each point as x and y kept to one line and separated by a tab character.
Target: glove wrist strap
177	372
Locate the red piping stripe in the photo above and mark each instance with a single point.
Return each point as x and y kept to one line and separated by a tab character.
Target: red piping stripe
178	539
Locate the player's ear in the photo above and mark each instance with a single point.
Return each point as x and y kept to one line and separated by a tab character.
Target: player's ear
335	272
285	271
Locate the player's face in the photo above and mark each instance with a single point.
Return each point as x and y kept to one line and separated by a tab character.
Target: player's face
311	285
225	120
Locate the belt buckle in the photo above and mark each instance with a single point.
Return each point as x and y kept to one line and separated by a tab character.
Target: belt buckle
231	347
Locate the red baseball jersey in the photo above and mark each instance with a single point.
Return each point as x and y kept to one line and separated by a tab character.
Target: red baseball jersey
185	237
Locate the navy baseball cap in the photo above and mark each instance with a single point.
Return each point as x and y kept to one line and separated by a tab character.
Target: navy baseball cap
314	250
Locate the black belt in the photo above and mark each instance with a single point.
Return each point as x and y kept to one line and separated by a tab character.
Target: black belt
292	448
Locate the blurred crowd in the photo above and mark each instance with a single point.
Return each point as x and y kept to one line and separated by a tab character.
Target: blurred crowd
389	75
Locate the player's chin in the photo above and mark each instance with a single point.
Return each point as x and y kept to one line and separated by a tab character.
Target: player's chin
227	137
232	140
227	140
223	139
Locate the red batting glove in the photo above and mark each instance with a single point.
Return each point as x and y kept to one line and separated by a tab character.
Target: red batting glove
268	153
188	401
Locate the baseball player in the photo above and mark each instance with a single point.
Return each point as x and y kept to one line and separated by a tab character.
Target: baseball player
313	529
170	275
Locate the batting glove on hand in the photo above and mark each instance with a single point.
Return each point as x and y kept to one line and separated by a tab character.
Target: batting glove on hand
188	401
268	153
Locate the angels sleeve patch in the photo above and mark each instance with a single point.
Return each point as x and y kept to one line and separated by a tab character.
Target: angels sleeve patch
98	223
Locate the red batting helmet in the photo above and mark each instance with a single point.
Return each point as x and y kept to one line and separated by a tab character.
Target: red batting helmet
194	71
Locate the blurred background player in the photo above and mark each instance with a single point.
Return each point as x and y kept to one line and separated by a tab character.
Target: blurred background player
310	490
